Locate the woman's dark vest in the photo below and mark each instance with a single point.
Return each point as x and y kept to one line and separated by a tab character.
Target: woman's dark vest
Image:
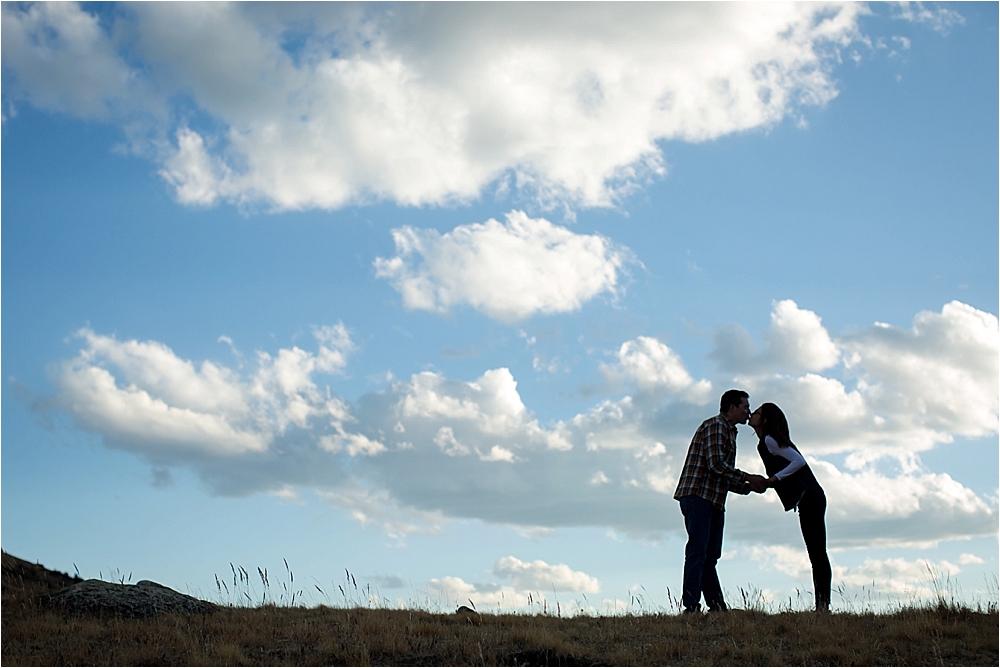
791	489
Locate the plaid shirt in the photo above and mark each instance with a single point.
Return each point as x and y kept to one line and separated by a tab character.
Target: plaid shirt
710	467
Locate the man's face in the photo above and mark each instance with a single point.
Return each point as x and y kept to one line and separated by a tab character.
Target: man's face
739	414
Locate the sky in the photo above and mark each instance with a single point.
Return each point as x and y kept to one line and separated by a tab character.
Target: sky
431	298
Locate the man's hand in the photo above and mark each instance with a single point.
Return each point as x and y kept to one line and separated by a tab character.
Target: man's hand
757	483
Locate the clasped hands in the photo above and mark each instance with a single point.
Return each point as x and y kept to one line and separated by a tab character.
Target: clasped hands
758	483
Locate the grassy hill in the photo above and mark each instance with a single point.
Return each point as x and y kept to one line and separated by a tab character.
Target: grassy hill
272	635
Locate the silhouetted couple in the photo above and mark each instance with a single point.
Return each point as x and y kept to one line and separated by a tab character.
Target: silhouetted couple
710	473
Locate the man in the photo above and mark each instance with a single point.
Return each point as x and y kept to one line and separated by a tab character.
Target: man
709	474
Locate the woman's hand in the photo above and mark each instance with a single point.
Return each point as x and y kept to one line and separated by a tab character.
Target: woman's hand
771	482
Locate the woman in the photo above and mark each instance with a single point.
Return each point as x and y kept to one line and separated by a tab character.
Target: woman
797	488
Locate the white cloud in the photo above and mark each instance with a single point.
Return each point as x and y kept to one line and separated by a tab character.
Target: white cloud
789	560
492	401
197	177
943	371
538	575
141	396
153	367
509	270
920	579
483	596
939	18
426	399
449	445
429	448
966	558
796	341
629	453
64	60
422	104
654	366
129	415
896	393
498	454
353	444
869	508
599	479
532	583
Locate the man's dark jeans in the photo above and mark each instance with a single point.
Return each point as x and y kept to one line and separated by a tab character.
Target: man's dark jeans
704	525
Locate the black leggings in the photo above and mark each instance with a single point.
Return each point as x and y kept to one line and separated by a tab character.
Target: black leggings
812	509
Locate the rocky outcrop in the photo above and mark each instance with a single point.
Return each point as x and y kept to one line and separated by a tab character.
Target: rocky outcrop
141	600
468	615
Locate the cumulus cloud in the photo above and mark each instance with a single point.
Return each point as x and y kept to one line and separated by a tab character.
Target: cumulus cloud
530	583
455	591
943	370
427	449
895	392
540	575
791	561
654	367
796	341
321	106
162	400
497	454
868	509
64	60
491	402
877	509
508	270
124	415
920	579
140	396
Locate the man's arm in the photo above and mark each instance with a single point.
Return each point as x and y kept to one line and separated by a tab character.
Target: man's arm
718	453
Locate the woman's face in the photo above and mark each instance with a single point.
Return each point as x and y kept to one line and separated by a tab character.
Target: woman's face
756	419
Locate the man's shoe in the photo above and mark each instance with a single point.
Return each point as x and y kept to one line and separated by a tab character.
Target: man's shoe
692	611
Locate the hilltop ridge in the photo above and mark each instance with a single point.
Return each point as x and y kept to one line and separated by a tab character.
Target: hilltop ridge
33	580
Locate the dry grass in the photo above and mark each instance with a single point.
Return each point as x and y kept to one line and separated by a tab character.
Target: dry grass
283	635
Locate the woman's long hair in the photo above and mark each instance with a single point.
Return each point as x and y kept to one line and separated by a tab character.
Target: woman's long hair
775	425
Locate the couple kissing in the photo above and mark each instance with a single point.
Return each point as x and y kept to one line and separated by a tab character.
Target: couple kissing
710	473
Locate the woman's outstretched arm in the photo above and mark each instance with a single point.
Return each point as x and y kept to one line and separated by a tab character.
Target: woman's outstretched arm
794	457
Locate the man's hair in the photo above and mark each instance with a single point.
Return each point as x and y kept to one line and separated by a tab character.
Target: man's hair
732	398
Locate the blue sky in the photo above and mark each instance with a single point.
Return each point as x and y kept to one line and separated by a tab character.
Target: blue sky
438	293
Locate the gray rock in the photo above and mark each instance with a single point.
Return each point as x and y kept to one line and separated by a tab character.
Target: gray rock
141	600
468	615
